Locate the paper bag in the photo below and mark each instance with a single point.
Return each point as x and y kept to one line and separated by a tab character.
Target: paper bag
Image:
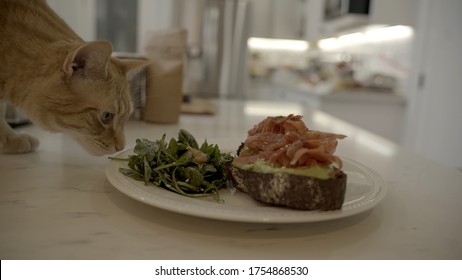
166	50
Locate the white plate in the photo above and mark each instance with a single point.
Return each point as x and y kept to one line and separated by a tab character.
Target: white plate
365	189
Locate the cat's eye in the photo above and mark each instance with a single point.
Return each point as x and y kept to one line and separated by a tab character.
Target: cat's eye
106	117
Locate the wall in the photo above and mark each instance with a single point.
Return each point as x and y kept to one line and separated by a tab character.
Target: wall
434	121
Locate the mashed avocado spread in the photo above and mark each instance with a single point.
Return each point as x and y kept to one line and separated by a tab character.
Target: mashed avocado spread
318	171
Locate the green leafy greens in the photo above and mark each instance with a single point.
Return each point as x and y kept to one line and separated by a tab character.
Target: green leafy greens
179	165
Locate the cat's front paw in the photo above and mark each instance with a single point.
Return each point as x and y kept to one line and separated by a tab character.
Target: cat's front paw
18	143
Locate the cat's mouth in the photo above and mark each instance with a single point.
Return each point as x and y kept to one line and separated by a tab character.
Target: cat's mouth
99	147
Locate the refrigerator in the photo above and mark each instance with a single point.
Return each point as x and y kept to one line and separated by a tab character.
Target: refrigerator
217	47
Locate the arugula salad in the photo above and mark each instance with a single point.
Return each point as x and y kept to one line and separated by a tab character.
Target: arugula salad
179	165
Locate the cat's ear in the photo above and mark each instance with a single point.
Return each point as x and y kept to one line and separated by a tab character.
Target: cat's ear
129	65
89	60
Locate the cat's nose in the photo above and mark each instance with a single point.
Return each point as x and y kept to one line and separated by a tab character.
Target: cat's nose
119	146
119	143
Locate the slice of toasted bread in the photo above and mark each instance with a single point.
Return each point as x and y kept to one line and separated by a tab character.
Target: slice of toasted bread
294	191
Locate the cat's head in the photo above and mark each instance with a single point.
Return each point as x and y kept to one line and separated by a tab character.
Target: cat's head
92	100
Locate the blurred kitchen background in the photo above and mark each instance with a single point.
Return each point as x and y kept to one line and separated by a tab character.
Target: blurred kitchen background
390	66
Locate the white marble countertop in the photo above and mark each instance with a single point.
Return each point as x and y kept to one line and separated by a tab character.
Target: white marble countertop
56	203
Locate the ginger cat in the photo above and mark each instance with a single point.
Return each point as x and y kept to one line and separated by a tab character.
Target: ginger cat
61	82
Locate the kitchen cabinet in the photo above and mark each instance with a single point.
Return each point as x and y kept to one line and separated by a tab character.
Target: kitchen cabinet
277	19
344	14
322	21
380	113
381	12
394	12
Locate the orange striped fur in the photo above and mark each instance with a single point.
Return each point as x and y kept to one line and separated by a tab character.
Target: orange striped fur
61	82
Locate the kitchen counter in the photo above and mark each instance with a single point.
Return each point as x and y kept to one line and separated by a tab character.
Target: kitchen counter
56	203
362	107
265	89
